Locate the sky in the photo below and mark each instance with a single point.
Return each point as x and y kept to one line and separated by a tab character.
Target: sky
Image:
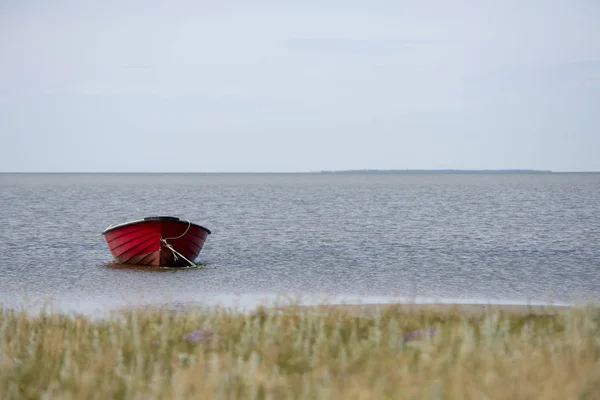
298	86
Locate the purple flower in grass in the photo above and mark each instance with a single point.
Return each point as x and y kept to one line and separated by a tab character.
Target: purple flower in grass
420	334
199	335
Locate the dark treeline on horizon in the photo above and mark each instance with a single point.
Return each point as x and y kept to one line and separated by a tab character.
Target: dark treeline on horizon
438	171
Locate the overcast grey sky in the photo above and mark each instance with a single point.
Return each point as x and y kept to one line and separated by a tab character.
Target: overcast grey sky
182	85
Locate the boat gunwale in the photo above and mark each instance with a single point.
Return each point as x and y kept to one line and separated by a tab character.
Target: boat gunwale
162	219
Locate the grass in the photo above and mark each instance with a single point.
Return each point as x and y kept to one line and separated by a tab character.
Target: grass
301	353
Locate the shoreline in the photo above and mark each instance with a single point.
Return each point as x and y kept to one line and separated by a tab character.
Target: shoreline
368	310
252	302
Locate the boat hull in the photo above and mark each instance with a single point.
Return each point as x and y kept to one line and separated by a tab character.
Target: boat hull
156	241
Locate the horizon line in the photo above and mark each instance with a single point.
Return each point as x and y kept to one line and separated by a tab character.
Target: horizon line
326	171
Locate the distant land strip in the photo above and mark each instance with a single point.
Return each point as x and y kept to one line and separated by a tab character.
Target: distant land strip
438	171
349	172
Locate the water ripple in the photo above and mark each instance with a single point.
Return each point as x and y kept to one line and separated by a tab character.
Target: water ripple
449	236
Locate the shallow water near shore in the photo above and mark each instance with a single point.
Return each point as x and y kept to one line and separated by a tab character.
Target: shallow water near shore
480	238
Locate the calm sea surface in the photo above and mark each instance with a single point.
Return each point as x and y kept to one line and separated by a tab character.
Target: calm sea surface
494	238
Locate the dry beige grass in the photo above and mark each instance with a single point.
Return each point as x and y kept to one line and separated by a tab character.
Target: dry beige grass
303	353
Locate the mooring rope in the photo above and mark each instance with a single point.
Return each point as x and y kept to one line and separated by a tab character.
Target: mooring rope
176	253
183	234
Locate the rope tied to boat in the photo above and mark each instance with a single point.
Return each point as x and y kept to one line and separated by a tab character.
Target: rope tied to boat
176	253
183	234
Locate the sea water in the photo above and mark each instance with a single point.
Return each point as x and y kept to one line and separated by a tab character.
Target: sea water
494	238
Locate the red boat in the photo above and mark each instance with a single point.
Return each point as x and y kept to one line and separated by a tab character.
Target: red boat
156	241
